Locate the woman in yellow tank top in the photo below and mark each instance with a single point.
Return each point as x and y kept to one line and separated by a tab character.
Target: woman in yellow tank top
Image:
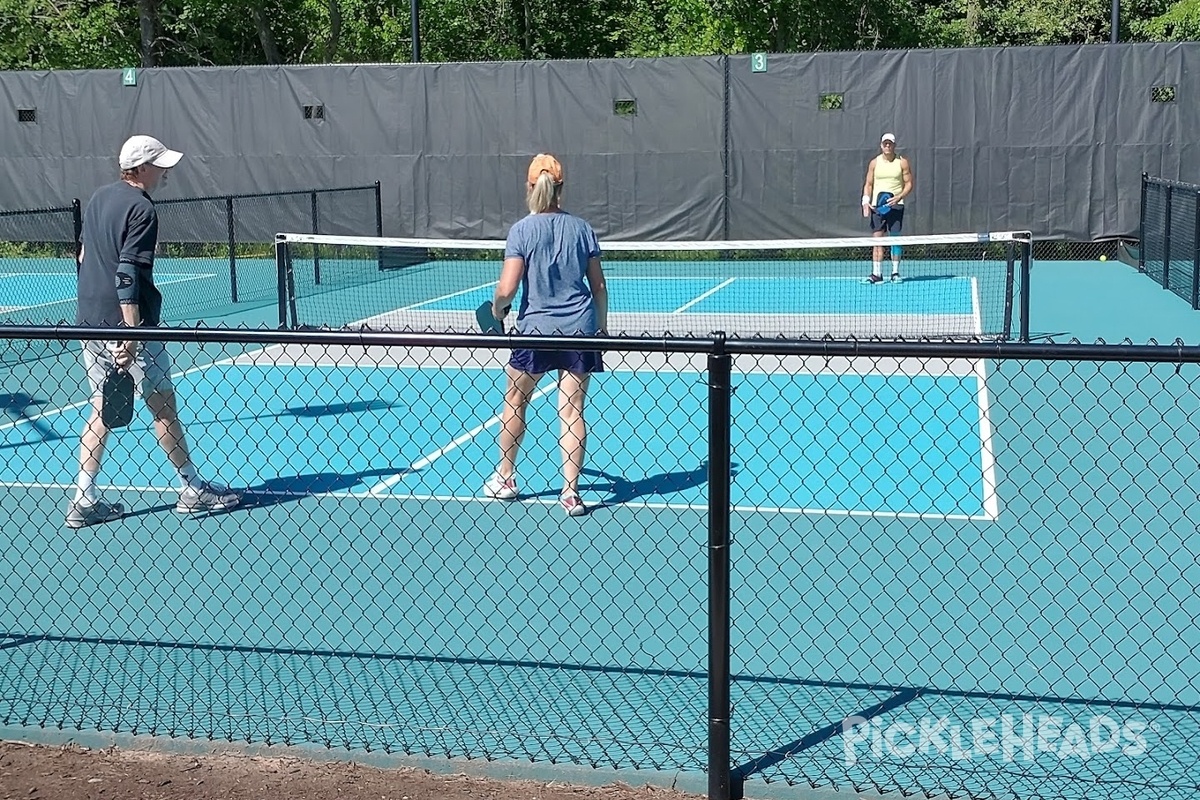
889	181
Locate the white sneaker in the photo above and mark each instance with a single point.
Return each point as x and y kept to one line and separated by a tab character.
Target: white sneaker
205	498
572	504
501	488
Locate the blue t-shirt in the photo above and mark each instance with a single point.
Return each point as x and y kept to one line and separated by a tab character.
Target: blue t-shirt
556	298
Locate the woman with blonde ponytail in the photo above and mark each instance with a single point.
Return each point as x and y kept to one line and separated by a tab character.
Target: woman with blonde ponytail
554	258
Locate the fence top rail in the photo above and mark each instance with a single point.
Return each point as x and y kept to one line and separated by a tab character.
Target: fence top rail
715	344
1193	187
29	211
281	193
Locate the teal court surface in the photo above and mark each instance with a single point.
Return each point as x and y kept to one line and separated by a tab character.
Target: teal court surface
913	540
42	290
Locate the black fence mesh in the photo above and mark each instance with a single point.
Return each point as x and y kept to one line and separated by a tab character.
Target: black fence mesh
945	569
223	246
215	257
38	248
1170	236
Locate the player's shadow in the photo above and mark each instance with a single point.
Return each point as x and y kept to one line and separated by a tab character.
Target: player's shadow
333	409
20	407
289	488
621	489
920	278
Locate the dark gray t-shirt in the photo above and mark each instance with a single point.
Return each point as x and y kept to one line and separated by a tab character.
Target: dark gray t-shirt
120	231
556	298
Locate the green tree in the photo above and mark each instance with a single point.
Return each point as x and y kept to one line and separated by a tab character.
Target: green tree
106	34
52	34
1178	23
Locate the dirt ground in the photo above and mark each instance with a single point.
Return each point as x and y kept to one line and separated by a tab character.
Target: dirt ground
39	772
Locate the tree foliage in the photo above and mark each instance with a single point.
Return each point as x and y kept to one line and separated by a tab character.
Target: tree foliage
83	34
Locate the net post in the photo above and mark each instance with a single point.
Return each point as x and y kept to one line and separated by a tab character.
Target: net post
1142	224
1010	276
281	271
719	449
316	228
1026	268
77	227
231	233
1196	251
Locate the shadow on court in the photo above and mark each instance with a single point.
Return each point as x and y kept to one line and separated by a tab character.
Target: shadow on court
21	407
333	409
624	490
289	488
923	278
284	489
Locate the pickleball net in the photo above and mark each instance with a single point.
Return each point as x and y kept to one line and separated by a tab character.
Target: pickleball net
953	286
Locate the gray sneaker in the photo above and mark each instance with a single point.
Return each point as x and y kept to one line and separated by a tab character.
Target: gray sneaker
83	514
205	499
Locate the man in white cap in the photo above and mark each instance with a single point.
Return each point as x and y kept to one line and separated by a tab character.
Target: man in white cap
116	288
889	181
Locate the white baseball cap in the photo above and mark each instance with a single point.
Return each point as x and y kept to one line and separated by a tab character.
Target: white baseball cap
139	150
889	137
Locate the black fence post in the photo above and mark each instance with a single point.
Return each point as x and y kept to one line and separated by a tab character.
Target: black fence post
719	457
1196	251
1166	278
378	209
231	232
1142	224
77	225
725	149
316	228
414	21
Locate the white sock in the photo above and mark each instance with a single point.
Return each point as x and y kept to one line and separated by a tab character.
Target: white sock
188	476
86	487
877	269
895	267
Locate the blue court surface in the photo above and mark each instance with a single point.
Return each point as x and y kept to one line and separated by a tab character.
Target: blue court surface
430	456
22	292
776	295
42	290
912	541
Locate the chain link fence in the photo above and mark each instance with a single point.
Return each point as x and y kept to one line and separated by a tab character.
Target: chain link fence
215	253
1170	236
931	568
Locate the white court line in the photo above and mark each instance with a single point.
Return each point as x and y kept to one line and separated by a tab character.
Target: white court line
539	501
987	454
789	278
434	300
709	293
742	509
462	439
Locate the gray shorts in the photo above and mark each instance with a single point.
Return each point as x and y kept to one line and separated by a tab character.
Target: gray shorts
151	369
